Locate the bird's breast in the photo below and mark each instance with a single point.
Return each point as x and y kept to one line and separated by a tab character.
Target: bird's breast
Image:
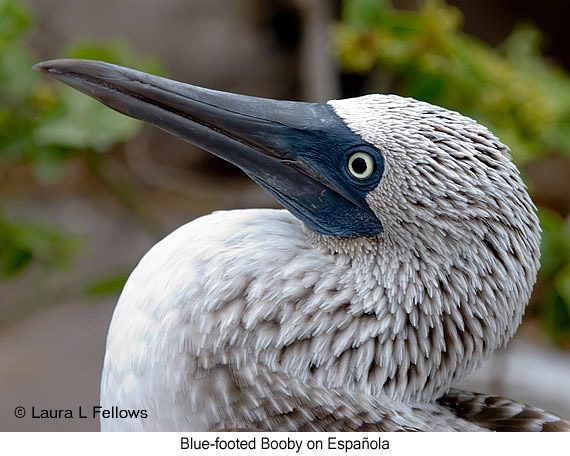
237	296
224	290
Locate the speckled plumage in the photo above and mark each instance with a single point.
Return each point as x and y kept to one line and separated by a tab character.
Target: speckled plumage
247	319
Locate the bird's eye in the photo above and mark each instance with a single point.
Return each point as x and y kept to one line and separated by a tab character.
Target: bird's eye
361	165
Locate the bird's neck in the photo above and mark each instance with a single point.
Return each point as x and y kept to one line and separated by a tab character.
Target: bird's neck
424	312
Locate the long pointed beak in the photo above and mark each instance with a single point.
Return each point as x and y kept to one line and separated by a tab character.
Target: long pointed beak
279	144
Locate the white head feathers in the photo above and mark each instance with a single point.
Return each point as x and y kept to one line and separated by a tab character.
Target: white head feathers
460	251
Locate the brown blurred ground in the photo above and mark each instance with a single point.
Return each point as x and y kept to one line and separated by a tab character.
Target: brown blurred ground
52	356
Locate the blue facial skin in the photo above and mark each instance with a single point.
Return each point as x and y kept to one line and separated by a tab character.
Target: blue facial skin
297	151
318	187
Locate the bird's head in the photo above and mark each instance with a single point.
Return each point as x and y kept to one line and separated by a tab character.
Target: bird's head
430	192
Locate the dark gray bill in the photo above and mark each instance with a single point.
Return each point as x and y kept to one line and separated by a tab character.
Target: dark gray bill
297	151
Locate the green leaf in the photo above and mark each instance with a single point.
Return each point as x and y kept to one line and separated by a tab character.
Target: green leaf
364	14
562	284
556	318
83	123
15	18
48	163
106	286
523	42
552	245
22	243
14	260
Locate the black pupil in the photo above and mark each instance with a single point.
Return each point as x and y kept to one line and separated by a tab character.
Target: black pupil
359	165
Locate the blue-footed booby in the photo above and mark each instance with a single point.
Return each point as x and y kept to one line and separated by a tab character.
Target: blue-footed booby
405	255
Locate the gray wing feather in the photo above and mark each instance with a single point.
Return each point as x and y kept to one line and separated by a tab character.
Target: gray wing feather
269	401
272	402
500	414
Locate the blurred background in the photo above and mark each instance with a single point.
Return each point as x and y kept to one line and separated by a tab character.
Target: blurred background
85	192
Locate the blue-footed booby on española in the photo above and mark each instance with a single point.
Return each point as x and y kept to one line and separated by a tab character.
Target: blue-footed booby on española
405	256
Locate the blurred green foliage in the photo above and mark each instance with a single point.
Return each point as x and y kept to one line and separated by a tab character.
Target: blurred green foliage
555	275
512	89
22	243
44	126
108	285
